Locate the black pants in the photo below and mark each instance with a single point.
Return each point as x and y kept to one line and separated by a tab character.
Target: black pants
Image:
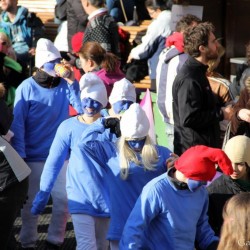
11	202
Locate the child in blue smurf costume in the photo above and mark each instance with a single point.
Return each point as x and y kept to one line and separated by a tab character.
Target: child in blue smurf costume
171	212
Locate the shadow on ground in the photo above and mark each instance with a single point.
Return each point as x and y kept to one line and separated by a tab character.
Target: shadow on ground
43	223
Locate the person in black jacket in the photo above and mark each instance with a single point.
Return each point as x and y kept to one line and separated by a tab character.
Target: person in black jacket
196	116
12	194
223	188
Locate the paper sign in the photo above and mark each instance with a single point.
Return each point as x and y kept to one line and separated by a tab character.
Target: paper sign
178	11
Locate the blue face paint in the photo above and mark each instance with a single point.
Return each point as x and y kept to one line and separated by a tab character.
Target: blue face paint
136	144
194	185
49	67
90	106
121	106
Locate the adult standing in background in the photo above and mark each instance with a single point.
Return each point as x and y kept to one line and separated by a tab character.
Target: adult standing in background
101	27
154	40
196	116
13	193
170	62
77	19
23	28
121	10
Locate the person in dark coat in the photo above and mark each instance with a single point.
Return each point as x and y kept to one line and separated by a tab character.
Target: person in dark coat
12	193
196	116
77	19
240	120
101	27
225	187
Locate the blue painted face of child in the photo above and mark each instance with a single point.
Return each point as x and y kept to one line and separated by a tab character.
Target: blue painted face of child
49	67
193	185
136	144
121	106
90	106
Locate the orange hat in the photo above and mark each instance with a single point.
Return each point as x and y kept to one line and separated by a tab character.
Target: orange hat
198	163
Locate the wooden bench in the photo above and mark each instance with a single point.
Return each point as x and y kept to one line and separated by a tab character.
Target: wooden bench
44	10
136	33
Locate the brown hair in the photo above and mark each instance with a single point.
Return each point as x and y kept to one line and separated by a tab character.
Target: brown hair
196	36
248	53
186	21
95	52
235	232
156	4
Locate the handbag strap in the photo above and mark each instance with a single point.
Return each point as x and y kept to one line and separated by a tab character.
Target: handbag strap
227	135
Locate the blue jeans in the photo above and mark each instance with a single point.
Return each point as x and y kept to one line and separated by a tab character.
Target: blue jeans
115	9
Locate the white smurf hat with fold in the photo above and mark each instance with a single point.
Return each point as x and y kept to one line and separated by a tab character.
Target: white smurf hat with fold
122	90
45	52
134	122
93	87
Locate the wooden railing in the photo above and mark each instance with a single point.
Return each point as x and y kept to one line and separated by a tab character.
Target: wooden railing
44	10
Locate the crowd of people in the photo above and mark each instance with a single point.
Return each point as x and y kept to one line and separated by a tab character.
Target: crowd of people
72	129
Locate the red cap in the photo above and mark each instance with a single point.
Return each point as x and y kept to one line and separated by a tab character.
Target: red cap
77	41
198	163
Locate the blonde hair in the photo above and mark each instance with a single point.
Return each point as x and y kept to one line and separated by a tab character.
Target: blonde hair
235	232
149	156
213	63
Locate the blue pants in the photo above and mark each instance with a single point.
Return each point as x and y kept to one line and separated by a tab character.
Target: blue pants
115	10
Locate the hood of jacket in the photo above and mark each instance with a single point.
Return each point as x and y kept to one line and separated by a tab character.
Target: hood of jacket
171	53
175	39
21	14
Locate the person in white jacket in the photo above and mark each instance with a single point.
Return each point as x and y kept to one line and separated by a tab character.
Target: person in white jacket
154	40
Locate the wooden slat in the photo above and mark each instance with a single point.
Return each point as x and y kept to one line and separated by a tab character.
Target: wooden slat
145	83
136	32
45	11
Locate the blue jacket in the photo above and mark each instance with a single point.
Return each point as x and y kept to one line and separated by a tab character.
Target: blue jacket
19	32
167	218
38	112
122	193
86	190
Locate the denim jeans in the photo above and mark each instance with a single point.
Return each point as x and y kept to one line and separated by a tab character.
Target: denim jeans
115	9
59	217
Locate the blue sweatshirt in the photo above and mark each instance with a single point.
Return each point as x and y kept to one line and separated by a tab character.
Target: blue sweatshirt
167	218
19	32
85	187
122	193
38	112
